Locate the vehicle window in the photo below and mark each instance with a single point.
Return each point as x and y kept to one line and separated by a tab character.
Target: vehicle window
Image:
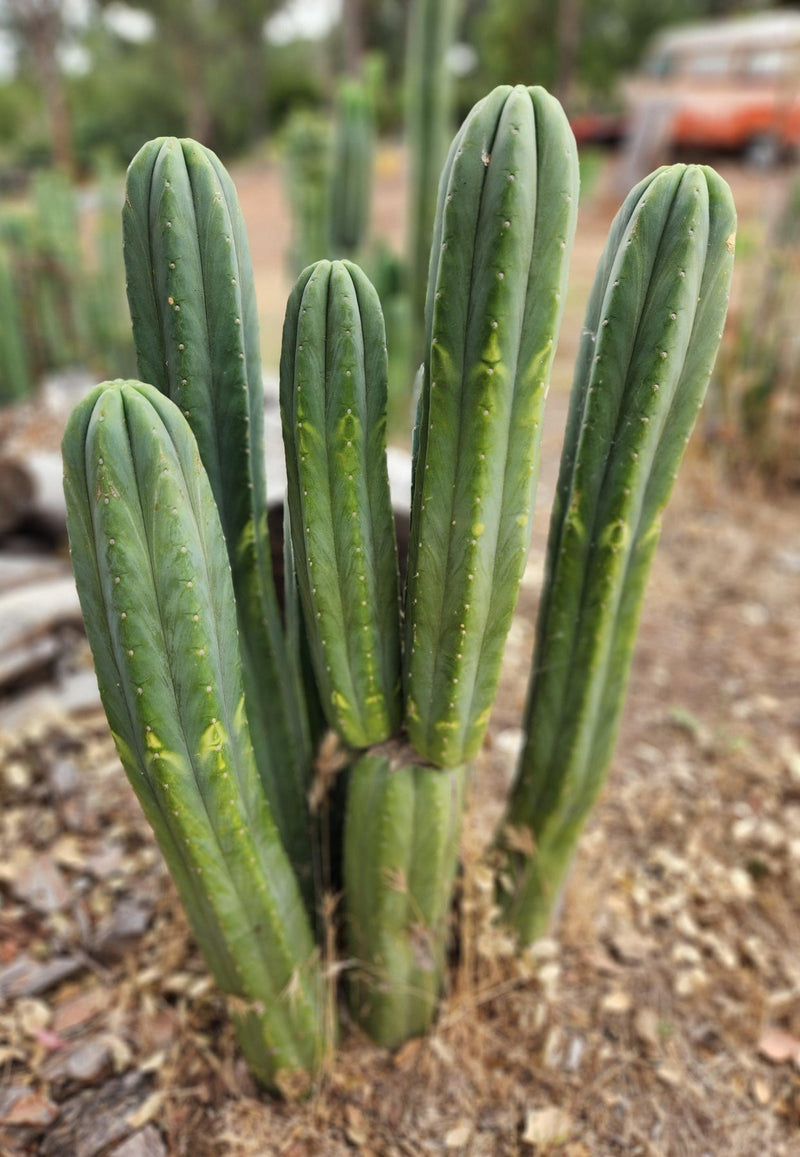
770	62
709	64
660	65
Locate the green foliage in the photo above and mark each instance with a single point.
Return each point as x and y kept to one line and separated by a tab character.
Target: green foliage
754	416
63	285
212	704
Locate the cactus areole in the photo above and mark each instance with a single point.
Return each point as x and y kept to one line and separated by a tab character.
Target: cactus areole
216	698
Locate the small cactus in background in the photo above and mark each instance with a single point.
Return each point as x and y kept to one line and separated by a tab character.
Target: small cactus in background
307	173
62	301
213	726
429	101
351	175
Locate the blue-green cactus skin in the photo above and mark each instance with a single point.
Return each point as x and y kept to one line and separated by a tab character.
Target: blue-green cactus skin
402	828
333	405
195	325
652	329
503	234
155	588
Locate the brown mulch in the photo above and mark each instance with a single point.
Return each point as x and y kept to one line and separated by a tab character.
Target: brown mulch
662	1018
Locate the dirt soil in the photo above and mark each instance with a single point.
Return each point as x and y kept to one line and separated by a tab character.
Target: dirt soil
661	1018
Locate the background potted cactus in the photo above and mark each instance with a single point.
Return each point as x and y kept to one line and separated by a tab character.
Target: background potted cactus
219	701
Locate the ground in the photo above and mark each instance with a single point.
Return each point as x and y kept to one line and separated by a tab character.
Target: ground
662	1016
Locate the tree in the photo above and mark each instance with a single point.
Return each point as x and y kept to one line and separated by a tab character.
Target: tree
38	28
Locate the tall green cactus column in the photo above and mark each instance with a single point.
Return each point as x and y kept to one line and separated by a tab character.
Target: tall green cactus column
333	409
195	326
154	582
652	329
502	239
429	92
351	179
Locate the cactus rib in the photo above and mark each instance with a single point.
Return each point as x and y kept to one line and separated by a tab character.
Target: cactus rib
192	304
333	404
155	588
507	208
652	330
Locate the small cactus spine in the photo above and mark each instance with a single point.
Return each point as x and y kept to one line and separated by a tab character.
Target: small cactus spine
195	326
504	229
155	588
653	326
333	405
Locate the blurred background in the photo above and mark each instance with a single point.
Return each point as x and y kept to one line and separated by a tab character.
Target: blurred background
334	117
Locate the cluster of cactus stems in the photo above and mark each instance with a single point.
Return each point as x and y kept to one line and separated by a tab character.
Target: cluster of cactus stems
214	694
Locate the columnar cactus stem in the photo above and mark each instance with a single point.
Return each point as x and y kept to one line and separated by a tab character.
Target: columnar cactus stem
504	229
402	827
155	587
351	182
333	405
651	334
429	87
195	326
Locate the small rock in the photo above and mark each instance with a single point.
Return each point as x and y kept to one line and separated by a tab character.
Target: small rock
85	1064
28	977
29	1108
458	1137
78	1010
146	1143
96	1119
64	778
646	1024
128	921
691	982
40	885
617	1002
544	1127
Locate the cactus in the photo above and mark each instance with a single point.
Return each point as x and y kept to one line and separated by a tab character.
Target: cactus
307	173
504	227
15	377
652	329
213	726
333	405
195	330
153	575
431	28
401	835
351	182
